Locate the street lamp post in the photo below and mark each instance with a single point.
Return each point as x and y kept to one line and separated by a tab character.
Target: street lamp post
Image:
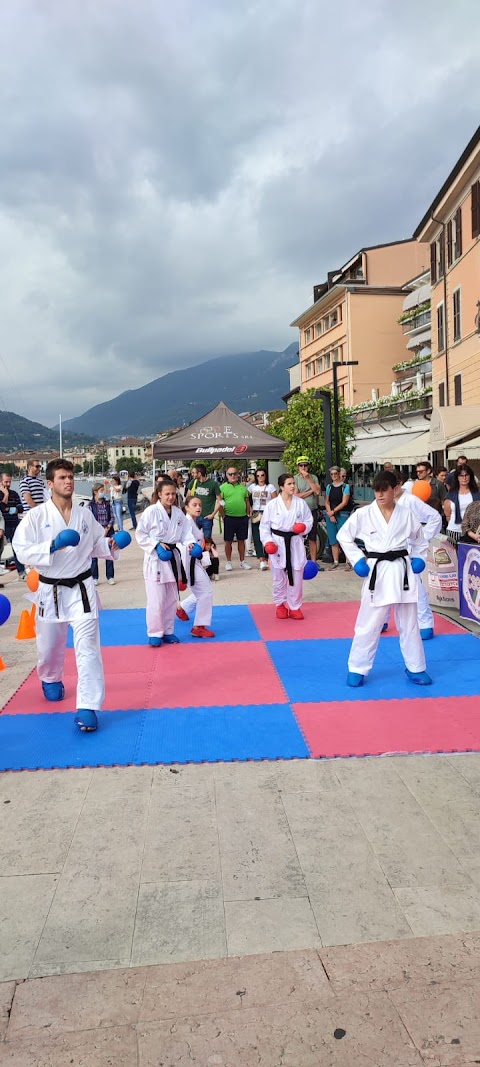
346	363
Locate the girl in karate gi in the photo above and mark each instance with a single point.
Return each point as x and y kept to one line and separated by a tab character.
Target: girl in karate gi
59	539
161	527
285	522
201	595
390	533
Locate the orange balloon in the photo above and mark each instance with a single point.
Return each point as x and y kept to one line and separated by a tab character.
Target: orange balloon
33	581
422	489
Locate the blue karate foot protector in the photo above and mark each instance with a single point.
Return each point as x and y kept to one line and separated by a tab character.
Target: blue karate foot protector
170	639
155	642
53	690
354	680
384	627
86	720
427	633
419	677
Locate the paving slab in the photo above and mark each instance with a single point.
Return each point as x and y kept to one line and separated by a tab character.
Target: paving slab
270	925
74	1001
112	1047
24	905
412	962
443	1021
181	920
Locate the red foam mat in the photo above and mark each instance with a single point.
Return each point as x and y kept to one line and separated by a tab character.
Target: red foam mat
324	620
214	675
445	724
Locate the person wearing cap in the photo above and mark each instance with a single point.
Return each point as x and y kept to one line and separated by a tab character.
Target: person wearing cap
337	495
307	487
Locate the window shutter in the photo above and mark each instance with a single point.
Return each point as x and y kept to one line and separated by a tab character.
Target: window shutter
476	209
458	233
441	254
433	262
449	243
457	385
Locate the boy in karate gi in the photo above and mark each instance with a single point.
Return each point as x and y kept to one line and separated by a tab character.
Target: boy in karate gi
285	522
161	527
431	521
389	532
201	594
59	538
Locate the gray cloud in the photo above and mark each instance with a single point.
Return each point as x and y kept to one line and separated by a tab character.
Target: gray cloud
173	181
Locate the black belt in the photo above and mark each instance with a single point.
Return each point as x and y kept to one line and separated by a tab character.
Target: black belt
287	537
192	570
398	553
173	561
69	583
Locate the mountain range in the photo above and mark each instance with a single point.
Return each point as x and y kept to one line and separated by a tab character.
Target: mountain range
248	381
17	434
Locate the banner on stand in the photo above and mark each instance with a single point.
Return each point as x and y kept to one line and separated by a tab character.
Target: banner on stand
469	581
442	574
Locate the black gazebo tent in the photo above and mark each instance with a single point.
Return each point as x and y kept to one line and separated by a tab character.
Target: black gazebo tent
219	433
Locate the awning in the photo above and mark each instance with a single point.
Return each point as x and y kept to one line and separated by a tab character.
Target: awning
395	447
419	296
221	432
411	450
454	426
420	339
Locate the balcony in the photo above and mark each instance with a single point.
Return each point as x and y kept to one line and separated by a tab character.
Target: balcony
416	322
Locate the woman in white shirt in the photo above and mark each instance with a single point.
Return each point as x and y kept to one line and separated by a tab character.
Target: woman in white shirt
260	492
463	493
116	500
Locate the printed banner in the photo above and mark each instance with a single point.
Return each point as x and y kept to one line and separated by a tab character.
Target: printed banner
442	574
469	581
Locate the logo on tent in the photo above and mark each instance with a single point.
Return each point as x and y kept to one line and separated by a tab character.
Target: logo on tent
239	449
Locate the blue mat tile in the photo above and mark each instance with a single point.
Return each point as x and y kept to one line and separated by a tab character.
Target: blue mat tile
317	670
31	742
126	626
184	735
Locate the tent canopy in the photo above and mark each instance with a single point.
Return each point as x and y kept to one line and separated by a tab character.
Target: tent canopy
220	433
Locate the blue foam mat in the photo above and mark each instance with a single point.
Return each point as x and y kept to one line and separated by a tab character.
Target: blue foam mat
314	670
159	735
126	626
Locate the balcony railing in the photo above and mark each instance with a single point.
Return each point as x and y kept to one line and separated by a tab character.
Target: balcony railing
417	321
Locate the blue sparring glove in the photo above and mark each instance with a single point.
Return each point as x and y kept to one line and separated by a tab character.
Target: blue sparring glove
418	564
65	539
122	538
196	551
164	553
361	568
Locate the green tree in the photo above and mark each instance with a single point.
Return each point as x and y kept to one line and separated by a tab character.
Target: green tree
129	463
302	426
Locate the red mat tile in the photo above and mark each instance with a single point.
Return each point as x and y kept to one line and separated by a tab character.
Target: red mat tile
323	620
446	724
214	675
123	692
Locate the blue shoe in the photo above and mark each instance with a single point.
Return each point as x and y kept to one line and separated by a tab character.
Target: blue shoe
419	677
171	639
427	634
155	642
86	720
354	680
53	690
384	627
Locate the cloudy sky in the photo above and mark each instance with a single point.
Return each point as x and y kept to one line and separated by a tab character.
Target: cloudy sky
174	177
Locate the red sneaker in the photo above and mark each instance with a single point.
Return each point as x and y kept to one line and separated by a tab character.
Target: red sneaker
201	631
181	614
282	611
295	613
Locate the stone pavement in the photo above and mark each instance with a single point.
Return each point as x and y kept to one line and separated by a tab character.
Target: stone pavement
235	914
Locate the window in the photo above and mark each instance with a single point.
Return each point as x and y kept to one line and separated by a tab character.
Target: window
440	328
308	336
457	326
333	318
319	365
457	389
337	355
327	361
449	243
458	234
318	329
433	262
476	209
441	395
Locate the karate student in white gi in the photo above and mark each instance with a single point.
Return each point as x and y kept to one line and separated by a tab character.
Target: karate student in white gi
285	522
59	538
161	527
431	522
390	533
201	593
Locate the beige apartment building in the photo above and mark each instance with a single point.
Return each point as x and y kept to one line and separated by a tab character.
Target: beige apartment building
354	316
130	449
451	226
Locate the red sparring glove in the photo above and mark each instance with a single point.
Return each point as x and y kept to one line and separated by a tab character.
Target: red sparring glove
271	548
299	528
182	586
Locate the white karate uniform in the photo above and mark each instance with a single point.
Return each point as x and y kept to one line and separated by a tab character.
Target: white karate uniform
201	594
277	514
155	525
32	540
431	524
403	531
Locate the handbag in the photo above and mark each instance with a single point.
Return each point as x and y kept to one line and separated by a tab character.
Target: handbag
256	516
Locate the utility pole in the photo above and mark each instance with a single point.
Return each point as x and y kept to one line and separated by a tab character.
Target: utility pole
336	413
